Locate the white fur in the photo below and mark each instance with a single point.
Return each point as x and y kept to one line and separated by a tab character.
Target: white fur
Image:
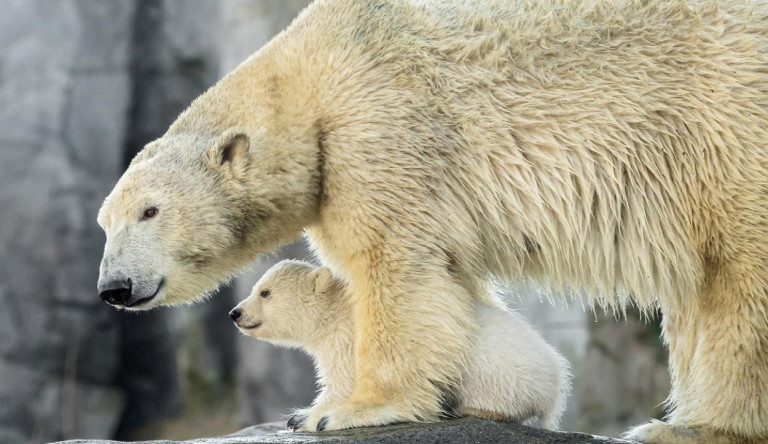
512	373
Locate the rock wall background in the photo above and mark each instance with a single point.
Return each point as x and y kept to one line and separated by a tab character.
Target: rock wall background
64	95
84	84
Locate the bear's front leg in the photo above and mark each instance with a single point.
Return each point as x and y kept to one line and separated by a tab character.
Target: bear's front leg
413	325
336	387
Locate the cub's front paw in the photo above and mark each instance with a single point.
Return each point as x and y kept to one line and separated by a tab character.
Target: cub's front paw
350	415
658	432
297	418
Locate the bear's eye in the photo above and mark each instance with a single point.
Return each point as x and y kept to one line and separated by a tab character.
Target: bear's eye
149	213
264	293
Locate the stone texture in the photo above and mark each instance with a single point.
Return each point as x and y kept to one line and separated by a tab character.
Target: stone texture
148	374
89	126
465	430
60	127
106	41
36	57
248	25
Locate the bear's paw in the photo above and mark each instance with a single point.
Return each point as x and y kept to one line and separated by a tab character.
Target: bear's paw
658	432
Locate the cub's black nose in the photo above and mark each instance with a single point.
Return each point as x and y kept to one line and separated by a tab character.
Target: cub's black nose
235	314
115	291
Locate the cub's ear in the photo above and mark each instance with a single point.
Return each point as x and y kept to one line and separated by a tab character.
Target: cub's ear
230	151
322	279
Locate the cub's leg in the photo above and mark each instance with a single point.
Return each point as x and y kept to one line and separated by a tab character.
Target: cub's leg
719	364
336	390
298	418
413	325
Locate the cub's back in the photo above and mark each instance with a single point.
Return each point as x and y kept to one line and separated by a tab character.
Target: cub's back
512	372
505	339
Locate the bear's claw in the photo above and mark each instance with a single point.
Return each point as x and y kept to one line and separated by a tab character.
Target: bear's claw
296	421
322	423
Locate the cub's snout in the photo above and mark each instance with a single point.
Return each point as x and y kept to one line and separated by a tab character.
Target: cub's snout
244	320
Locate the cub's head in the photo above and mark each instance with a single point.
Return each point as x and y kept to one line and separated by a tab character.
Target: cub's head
192	210
286	304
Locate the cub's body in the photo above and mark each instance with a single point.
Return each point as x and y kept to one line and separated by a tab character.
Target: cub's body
512	373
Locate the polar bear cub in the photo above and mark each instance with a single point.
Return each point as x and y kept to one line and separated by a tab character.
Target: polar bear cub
512	373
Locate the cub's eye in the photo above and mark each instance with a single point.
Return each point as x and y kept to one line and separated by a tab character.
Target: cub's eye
149	213
264	293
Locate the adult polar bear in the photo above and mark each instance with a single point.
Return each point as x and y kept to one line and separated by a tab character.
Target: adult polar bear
427	146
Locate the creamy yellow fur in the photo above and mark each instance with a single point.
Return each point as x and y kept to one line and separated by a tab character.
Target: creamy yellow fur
427	146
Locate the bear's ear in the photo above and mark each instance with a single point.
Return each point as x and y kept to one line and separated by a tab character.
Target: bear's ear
146	153
230	151
322	279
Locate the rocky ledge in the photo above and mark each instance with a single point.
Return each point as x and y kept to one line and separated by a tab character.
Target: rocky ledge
464	430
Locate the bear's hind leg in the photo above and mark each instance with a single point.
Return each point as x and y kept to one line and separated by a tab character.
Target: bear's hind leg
414	326
719	363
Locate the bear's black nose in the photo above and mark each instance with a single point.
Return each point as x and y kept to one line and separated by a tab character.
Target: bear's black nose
235	314
115	292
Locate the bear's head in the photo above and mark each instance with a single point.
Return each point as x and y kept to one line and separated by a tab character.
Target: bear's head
287	304
192	210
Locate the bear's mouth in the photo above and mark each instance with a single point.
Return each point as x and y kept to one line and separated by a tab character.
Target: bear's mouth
145	300
250	327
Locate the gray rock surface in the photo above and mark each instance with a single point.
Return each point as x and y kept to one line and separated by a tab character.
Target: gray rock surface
464	430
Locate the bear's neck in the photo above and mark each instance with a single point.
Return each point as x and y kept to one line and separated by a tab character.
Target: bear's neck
279	97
